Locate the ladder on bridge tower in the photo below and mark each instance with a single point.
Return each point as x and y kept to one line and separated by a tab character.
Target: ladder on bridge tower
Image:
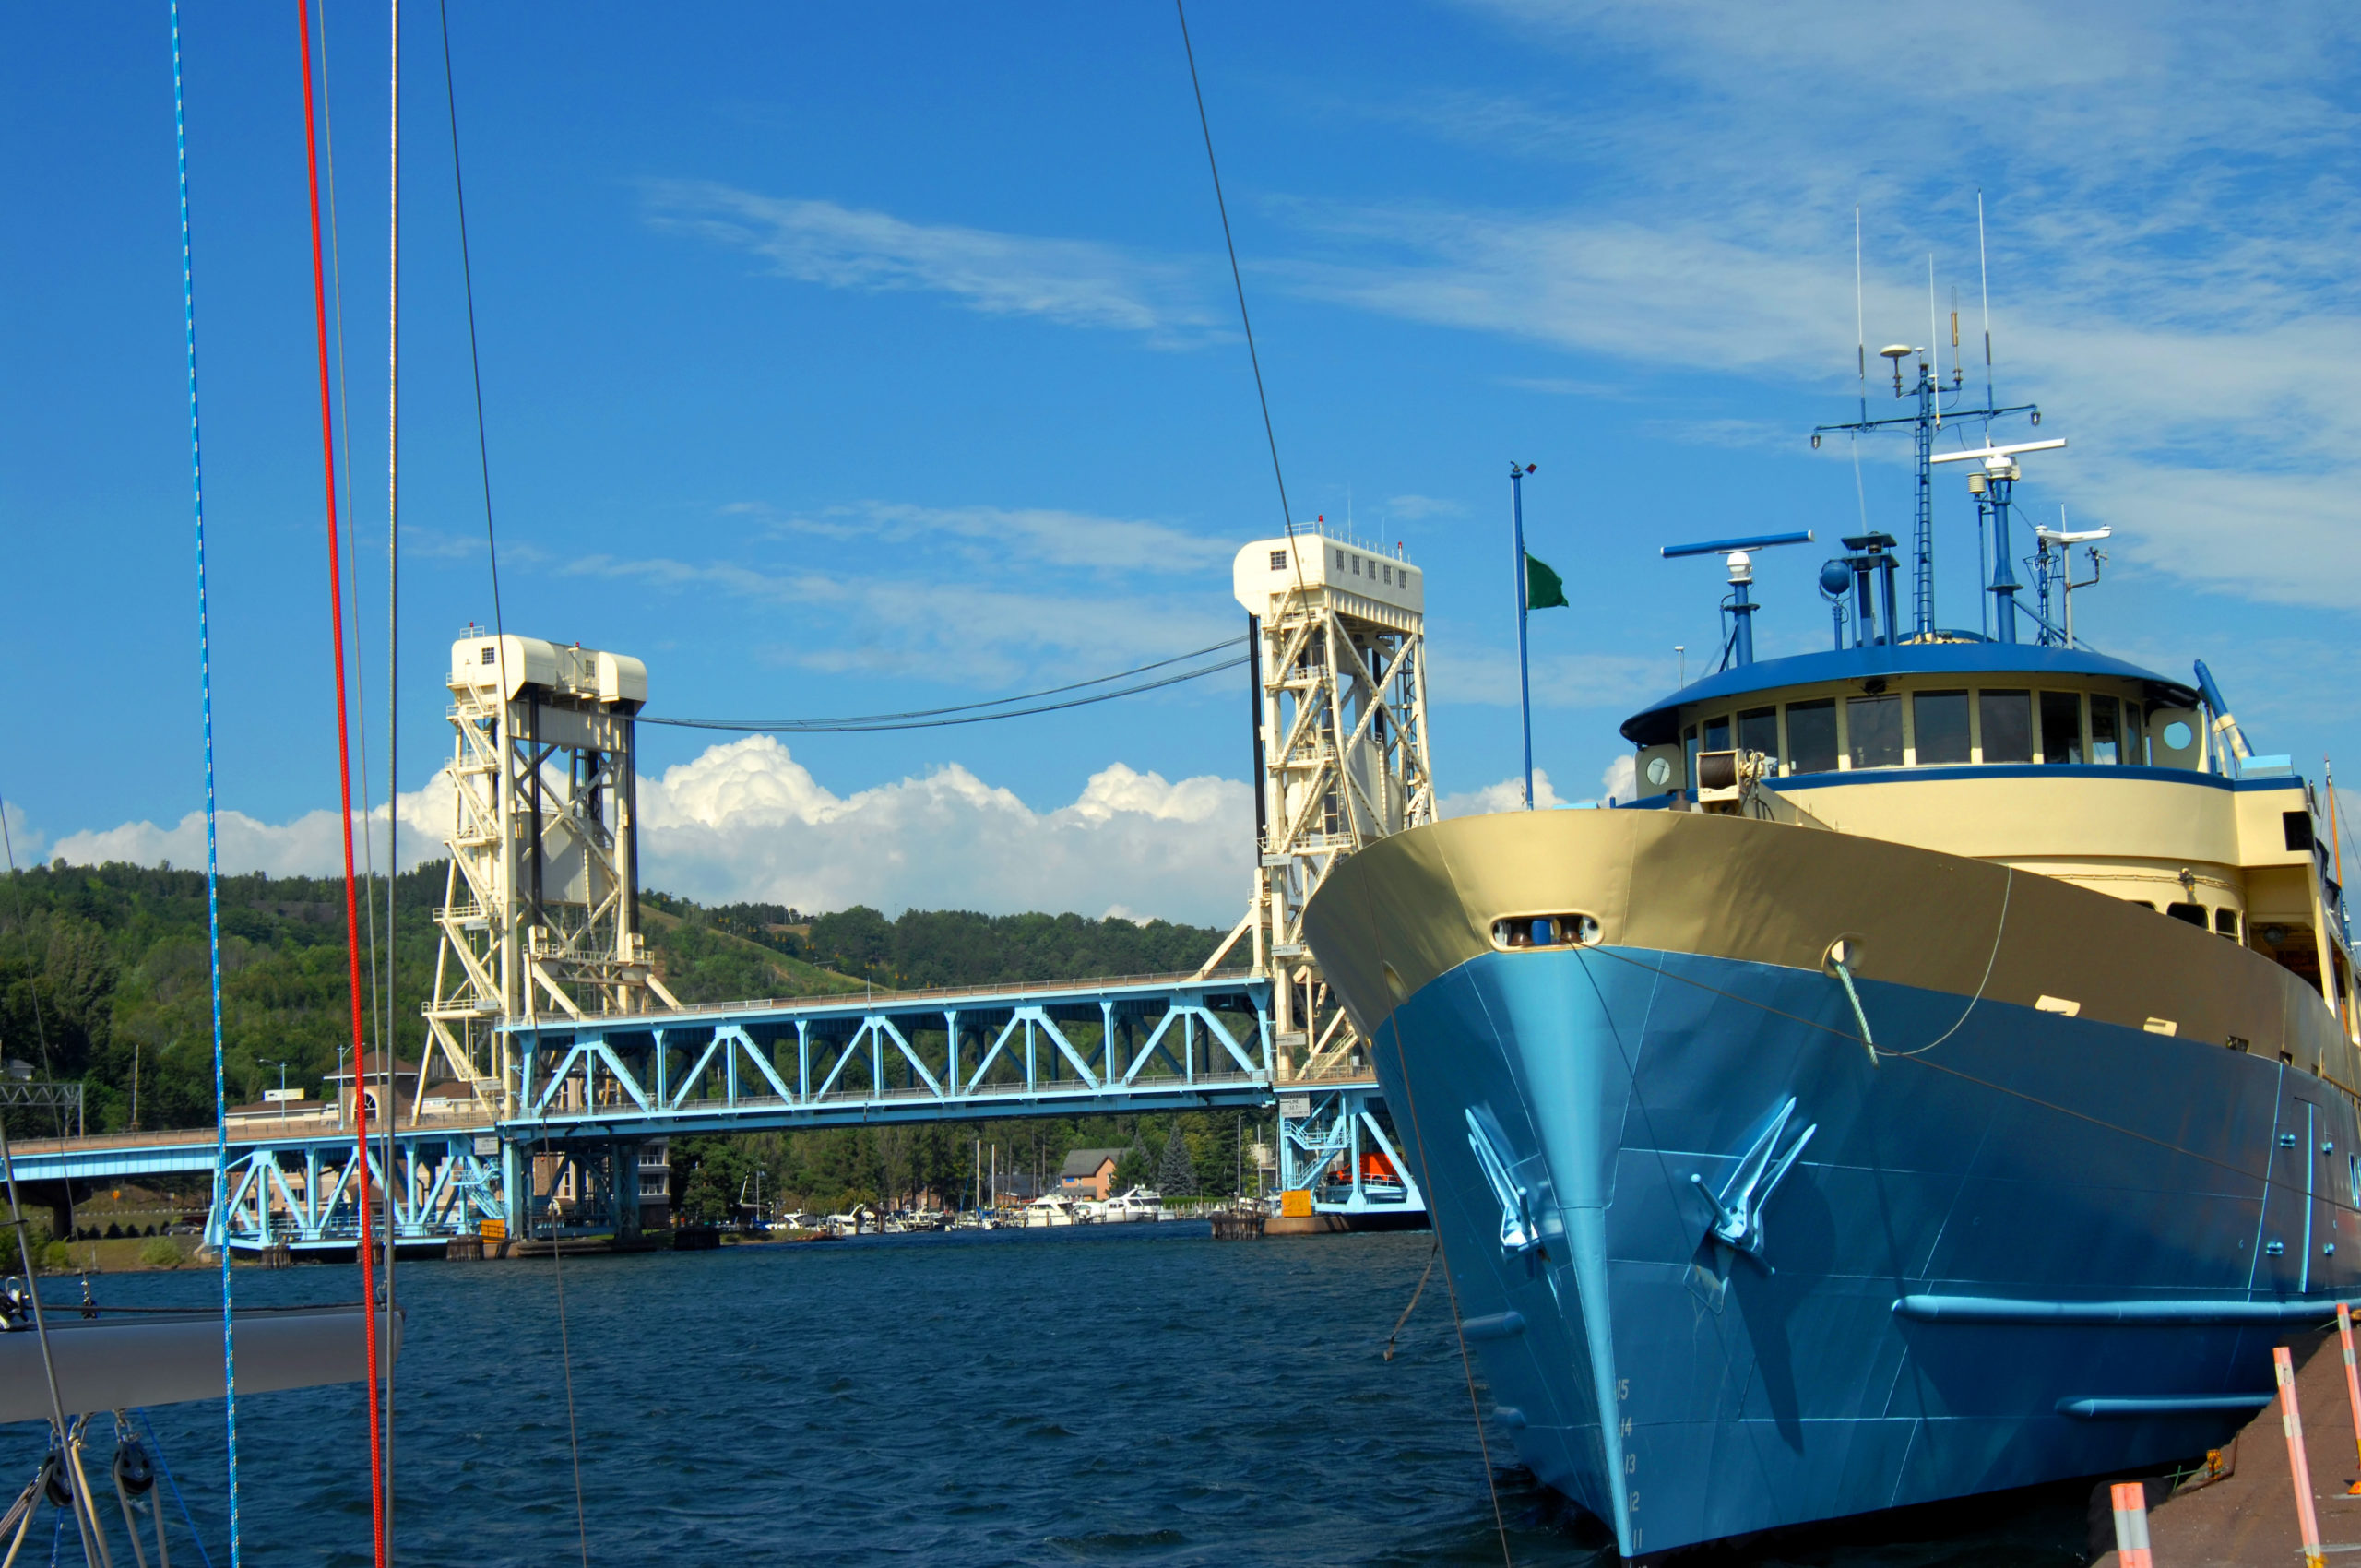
1338	633
541	907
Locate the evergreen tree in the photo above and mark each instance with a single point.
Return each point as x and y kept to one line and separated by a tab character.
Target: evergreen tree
1176	1177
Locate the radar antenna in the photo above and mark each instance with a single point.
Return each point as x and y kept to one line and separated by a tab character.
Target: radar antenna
1737	647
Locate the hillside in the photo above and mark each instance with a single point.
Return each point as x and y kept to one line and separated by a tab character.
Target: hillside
103	971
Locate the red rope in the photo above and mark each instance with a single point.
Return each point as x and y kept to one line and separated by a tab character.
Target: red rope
344	785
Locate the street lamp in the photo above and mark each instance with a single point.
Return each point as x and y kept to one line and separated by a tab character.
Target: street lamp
282	1087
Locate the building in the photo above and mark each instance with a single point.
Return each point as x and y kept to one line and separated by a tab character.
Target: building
1088	1173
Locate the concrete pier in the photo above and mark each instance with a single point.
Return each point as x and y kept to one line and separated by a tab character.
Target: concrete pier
2249	1516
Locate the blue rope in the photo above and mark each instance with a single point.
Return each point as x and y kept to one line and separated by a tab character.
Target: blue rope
156	1446
212	844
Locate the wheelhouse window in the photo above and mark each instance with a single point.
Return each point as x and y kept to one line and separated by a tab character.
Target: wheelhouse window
2106	732
1941	720
1811	736
1689	754
2006	718
1717	734
2062	728
1757	730
1875	723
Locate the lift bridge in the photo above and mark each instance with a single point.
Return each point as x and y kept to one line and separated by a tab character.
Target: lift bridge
557	1065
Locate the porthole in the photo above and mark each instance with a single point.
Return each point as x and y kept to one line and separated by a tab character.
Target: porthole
2179	735
1660	771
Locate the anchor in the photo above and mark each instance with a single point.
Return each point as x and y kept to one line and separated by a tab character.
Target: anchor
1737	1209
1521	1231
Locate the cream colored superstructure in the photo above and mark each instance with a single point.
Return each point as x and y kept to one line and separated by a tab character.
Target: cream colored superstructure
2115	793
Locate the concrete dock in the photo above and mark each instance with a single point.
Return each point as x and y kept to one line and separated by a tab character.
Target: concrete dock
2249	1516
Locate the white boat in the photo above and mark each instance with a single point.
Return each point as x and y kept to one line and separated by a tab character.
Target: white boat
1139	1204
1051	1209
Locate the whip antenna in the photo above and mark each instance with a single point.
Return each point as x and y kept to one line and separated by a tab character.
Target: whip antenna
1860	327
1984	280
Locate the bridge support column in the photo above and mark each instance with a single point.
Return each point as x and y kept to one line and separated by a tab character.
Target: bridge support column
515	1186
626	1159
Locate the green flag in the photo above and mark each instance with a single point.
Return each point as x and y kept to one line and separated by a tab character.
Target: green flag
1544	589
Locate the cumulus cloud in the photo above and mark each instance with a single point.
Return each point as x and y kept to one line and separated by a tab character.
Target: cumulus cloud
1621	781
747	821
1508	795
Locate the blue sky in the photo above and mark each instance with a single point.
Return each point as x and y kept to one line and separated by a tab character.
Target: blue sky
839	360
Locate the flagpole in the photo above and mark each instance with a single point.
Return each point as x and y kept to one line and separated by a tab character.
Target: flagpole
1523	676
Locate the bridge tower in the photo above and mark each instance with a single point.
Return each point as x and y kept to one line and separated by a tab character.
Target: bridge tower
1337	631
541	907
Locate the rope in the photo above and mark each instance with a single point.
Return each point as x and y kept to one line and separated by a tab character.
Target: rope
1458	1325
2007	889
565	1362
1287	517
212	836
1421	1290
344	783
156	1448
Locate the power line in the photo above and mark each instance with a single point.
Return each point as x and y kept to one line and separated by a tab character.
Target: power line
972	713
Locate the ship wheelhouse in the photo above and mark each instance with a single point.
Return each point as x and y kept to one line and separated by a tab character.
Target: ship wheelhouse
2062	762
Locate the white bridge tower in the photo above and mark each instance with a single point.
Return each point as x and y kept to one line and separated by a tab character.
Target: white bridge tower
540	909
1338	639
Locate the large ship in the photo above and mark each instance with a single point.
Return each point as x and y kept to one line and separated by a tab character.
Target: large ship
1940	1079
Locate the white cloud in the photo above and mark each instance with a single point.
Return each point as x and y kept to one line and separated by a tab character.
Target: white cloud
1417	508
942	628
308	846
1074	282
746	820
1621	781
1508	795
994	534
2173	213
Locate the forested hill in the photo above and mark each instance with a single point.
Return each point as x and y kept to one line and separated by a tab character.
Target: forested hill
103	971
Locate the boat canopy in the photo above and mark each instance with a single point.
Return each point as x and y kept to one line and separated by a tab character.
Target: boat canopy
1660	724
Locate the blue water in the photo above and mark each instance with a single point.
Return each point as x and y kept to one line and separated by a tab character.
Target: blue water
1144	1396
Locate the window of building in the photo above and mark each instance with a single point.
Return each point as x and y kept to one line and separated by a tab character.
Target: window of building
1278	560
1757	730
2062	728
2106	732
2226	922
1389	576
1340	560
1875	724
1811	736
1357	565
2192	914
2006	718
1940	720
1717	734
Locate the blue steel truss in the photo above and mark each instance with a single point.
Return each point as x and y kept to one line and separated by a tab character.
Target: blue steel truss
1084	1048
1325	1132
590	1091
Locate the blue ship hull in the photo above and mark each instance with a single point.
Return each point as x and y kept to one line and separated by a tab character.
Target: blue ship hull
1897	1321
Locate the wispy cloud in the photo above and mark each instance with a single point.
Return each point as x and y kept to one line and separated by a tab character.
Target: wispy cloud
1080	284
1052	537
2174	216
1418	509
